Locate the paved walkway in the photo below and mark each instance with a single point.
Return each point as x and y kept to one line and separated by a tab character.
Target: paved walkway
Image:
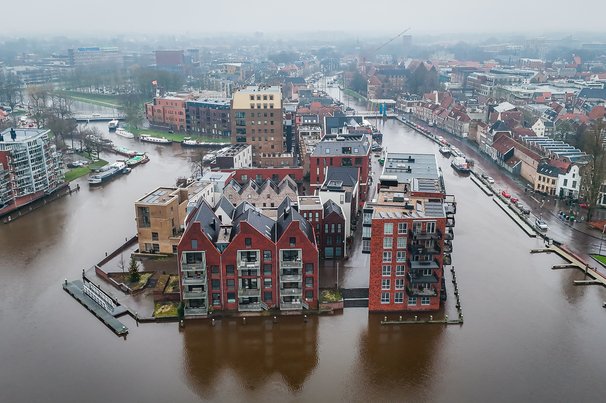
575	262
515	217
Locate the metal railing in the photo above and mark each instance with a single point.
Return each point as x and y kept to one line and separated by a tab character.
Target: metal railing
249	292
291	291
294	278
194	294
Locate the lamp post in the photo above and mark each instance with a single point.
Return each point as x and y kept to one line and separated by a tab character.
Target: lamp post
602	239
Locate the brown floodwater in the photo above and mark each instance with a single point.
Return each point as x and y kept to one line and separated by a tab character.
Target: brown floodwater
529	333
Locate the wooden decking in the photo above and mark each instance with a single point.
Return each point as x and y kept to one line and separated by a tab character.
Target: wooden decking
574	262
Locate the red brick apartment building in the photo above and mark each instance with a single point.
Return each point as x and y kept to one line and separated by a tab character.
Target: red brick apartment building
407	230
342	150
168	111
251	265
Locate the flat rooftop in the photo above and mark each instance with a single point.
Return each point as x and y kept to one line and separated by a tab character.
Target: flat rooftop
23	134
305	202
407	167
253	89
161	195
232	150
397	202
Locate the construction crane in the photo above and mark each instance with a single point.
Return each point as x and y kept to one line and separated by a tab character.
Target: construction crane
392	39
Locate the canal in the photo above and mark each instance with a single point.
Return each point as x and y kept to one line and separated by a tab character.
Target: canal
528	332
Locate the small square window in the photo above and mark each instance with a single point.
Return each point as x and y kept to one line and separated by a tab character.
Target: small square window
385	298
248	241
387	256
231	297
400	270
386	271
399	298
388	228
309	268
387	242
229	269
425	300
267	269
412	300
385	284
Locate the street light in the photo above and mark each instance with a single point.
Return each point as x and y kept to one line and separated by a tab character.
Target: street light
602	239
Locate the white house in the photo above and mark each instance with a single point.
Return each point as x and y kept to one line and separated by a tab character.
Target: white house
539	128
569	182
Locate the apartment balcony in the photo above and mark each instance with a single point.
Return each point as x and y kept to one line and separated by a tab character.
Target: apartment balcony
249	292
196	311
449	235
194	280
450	222
447	259
421	292
291	263
422	250
291	278
249	265
447	247
293	306
253	307
419	277
290	291
194	294
193	267
424	235
423	265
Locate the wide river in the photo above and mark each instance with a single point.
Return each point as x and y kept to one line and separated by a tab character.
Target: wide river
529	333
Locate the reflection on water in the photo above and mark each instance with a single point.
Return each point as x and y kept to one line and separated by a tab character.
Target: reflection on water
254	351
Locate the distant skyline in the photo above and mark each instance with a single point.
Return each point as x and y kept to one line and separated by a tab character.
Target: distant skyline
388	17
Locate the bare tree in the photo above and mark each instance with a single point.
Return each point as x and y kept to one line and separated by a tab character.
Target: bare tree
39	100
594	172
197	162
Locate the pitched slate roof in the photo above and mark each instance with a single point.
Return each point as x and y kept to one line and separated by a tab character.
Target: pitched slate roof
246	212
347	175
226	206
332	207
548	170
209	222
286	215
593	93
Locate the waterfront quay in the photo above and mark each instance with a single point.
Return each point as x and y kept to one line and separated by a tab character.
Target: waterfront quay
522	320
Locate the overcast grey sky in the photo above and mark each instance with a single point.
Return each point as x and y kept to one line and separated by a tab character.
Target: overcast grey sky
387	16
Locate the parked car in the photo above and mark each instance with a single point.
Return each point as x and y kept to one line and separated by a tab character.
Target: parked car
484	176
514	200
524	210
505	194
540	225
584	205
490	180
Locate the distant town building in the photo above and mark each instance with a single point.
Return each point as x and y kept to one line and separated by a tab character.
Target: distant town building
30	167
95	55
168	111
267	195
407	231
256	119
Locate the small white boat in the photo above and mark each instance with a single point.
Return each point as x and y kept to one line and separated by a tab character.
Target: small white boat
157	140
188	142
113	124
123	133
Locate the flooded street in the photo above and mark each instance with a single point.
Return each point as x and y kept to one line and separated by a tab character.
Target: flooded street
529	333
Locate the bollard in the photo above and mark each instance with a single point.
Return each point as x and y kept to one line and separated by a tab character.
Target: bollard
384	318
416	318
275	319
244	320
65	282
305	318
400	318
181	323
446	318
430	317
212	322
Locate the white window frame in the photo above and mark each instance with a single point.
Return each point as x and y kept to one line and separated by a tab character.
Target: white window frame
400	270
401	256
412	300
387	256
388	228
425	301
385	298
402	228
387	242
386	270
401	243
399	283
398	298
386	284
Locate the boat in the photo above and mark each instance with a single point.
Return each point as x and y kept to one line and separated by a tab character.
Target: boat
123	133
157	140
107	173
125	151
188	142
460	165
113	124
445	151
136	160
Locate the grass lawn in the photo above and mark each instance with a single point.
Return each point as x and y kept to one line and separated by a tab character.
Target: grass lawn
330	296
178	137
173	285
600	258
110	101
165	309
76	173
354	94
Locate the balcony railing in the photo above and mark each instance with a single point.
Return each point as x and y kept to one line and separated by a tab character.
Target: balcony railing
201	280
193	266
249	292
291	278
293	306
291	263
417	234
291	291
421	292
254	307
422	250
449	235
249	265
416	278
420	265
195	311
194	294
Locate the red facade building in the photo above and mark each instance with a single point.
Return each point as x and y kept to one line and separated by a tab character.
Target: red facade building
407	230
253	264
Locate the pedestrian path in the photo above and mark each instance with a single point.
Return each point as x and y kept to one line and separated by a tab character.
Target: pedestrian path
482	186
575	263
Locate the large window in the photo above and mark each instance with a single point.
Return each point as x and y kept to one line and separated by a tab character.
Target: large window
144	220
385	284
412	300
386	270
387	242
385	298
402	228
401	256
399	283
425	300
400	270
388	228
387	256
401	243
399	298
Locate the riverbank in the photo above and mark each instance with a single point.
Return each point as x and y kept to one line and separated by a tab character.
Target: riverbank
178	137
108	101
78	172
355	94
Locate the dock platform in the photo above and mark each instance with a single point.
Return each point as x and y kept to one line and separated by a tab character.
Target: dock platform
516	218
74	288
574	262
